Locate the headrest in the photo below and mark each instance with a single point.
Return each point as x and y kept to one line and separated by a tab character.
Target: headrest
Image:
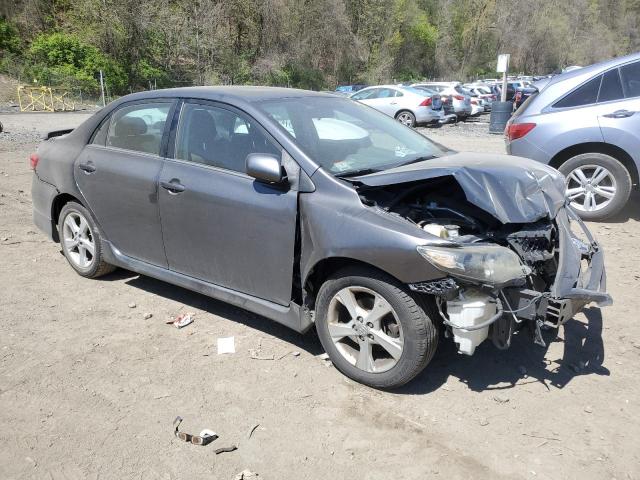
130	126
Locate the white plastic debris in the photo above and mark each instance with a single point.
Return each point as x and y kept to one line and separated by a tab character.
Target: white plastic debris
182	320
226	345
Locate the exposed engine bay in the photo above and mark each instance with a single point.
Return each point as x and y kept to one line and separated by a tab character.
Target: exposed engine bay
544	295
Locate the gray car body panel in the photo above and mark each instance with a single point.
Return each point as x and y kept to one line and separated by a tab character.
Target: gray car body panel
560	128
332	220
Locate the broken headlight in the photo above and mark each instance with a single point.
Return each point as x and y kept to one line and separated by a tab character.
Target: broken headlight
489	264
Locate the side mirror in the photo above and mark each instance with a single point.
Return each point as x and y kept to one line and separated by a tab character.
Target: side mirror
264	167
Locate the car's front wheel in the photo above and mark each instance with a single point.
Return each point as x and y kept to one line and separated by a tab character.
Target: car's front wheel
373	329
81	242
598	186
407	118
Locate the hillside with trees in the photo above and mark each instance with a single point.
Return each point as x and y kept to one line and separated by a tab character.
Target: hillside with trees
141	44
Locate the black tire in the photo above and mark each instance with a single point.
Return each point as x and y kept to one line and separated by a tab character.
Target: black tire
97	266
620	174
410	118
415	316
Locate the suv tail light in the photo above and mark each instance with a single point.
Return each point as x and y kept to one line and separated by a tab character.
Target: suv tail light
515	131
33	160
458	97
426	102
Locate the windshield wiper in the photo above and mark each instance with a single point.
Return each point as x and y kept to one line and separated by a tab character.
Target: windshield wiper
416	160
357	173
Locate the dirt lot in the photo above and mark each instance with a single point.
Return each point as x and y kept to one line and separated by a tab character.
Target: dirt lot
89	387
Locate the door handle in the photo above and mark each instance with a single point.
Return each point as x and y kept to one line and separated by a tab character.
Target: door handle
620	114
173	187
87	167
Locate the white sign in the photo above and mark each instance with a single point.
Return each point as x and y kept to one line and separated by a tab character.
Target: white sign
503	63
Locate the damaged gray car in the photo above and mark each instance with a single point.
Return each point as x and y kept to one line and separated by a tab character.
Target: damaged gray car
313	210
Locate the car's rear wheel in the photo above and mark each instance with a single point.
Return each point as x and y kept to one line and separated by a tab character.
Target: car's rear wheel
373	329
598	185
407	118
81	241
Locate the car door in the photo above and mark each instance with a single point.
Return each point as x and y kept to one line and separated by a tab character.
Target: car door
117	174
620	114
386	101
220	225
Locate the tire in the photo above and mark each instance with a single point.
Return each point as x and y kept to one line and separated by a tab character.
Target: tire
418	334
73	244
406	118
592	205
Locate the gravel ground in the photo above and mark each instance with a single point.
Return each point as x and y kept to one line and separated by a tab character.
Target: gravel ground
89	383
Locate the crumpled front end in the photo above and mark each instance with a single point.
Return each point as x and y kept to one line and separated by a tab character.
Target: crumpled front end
515	255
563	271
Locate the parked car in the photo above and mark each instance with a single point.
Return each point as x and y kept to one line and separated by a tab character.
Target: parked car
461	102
315	211
408	105
349	89
447	104
484	92
586	124
521	95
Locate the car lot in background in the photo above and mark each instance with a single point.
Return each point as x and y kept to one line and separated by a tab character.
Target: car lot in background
586	123
410	106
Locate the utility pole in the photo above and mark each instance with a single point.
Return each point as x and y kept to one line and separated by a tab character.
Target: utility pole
102	88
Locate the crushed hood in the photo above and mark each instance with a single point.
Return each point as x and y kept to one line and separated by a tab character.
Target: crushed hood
512	189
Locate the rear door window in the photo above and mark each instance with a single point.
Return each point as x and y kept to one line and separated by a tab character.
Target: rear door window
631	79
611	87
366	94
583	95
139	127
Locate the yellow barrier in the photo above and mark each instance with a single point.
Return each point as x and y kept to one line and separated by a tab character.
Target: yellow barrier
44	99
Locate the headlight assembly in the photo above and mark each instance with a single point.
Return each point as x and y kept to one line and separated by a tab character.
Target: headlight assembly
489	264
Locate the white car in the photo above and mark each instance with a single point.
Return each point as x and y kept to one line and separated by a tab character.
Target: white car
409	106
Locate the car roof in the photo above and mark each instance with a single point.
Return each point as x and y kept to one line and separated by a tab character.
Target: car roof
229	92
592	70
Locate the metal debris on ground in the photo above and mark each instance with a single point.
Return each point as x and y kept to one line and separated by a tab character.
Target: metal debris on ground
206	436
246	475
226	345
182	320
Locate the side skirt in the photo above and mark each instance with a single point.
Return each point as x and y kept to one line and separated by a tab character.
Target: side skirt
292	316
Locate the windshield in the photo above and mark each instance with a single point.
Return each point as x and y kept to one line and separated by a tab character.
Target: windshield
346	137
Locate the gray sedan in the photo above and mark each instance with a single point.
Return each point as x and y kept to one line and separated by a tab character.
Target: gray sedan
586	123
315	211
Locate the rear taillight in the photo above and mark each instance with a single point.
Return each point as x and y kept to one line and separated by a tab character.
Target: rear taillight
33	160
426	102
515	131
458	97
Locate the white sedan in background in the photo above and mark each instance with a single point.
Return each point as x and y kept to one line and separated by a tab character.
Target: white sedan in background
408	105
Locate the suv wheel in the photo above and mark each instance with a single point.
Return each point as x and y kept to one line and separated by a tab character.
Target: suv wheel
598	185
373	329
81	241
407	118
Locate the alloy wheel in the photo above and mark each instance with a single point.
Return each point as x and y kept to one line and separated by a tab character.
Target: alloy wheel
405	118
590	188
365	329
78	240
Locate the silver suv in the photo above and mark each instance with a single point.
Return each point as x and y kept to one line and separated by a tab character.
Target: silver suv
586	123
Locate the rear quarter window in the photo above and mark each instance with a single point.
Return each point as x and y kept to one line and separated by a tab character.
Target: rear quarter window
584	95
631	79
